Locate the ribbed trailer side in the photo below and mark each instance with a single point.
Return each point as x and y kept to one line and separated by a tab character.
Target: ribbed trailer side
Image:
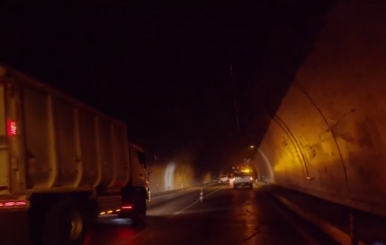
4	154
67	145
61	160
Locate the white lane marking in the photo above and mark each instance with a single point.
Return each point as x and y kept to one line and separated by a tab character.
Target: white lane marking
187	190
187	207
194	203
173	215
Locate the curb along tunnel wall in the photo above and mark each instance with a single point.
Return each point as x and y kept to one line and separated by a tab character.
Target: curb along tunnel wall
328	137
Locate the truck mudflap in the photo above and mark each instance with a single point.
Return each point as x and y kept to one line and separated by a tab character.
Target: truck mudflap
14	227
134	205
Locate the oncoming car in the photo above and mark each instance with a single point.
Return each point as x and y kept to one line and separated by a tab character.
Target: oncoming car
243	180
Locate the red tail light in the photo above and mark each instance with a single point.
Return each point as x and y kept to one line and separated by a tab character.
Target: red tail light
11	128
8	204
20	203
127	207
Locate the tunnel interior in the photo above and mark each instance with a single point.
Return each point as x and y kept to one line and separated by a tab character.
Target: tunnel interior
328	136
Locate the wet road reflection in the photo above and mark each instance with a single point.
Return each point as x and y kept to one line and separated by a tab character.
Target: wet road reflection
226	216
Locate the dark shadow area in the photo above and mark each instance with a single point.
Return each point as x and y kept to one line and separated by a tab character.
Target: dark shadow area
164	70
113	230
293	31
14	228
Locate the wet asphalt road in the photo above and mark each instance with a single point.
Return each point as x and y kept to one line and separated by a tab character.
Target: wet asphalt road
226	216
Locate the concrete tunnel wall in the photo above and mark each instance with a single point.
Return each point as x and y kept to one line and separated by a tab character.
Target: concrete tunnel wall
172	175
328	137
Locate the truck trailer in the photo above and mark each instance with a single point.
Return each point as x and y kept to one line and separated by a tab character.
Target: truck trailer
64	163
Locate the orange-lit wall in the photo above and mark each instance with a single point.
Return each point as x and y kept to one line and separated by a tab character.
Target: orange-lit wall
175	175
170	176
331	125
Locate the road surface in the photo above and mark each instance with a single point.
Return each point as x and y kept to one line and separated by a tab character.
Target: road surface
226	216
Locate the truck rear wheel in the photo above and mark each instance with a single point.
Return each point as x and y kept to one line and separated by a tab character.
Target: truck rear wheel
64	224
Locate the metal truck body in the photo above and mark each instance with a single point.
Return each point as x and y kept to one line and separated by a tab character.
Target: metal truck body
58	154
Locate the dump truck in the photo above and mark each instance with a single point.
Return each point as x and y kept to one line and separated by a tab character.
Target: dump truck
64	163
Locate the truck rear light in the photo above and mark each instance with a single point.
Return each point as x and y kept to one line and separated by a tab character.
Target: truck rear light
21	203
127	207
251	178
8	204
11	128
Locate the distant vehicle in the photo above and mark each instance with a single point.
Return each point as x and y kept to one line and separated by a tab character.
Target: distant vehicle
224	179
243	180
63	163
231	178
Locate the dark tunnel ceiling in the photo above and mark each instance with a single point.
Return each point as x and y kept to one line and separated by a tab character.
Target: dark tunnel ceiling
176	57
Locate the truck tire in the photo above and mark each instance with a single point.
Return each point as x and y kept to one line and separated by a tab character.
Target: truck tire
64	224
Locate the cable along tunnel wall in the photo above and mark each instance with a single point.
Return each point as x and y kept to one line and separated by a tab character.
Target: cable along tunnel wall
328	137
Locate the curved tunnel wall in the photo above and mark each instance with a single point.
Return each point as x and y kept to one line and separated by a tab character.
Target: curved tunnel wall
328	137
172	175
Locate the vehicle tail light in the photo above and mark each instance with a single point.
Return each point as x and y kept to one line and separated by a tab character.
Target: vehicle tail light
251	178
11	128
127	207
8	204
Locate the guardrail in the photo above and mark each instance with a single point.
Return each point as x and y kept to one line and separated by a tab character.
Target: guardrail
334	232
